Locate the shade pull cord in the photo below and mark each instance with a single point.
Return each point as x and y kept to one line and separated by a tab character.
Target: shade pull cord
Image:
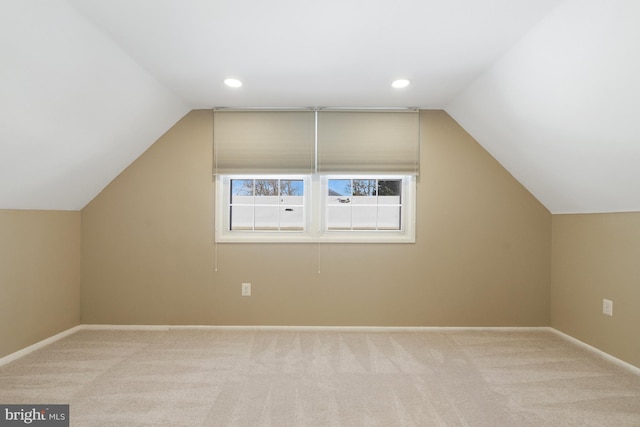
213	192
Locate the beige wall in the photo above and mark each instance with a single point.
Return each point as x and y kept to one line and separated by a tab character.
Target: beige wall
482	256
39	276
597	256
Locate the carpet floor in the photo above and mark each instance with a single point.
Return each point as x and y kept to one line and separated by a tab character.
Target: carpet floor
196	377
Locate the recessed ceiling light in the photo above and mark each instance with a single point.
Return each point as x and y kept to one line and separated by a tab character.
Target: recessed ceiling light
400	83
233	82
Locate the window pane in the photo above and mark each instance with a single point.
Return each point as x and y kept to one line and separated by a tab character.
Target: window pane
389	192
389	218
291	218
266	187
339	217
339	187
389	187
266	217
364	200
241	190
291	201
291	187
266	200
364	187
241	217
388	200
364	217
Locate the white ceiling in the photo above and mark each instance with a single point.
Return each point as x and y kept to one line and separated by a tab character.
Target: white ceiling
549	87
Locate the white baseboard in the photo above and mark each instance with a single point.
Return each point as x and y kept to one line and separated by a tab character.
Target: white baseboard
20	353
311	328
634	369
33	347
92	327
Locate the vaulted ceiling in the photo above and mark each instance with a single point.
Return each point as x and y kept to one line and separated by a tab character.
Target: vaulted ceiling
550	88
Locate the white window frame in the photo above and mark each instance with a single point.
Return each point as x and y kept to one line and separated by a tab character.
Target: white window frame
407	213
315	213
222	214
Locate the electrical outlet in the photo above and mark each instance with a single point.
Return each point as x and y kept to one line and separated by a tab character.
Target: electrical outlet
246	289
607	307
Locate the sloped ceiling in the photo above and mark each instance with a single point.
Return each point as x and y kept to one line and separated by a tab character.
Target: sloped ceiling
561	109
75	109
549	87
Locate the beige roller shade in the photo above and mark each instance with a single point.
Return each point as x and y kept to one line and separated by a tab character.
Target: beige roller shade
264	142
370	141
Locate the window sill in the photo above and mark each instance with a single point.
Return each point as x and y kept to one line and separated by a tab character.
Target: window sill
332	237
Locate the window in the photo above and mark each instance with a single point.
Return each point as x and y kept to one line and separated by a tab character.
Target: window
315	208
364	204
315	175
269	204
367	208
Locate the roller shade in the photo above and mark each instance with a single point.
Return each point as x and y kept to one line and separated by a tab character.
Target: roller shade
368	142
264	142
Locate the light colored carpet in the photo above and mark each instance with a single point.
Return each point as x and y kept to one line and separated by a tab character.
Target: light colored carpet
324	378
